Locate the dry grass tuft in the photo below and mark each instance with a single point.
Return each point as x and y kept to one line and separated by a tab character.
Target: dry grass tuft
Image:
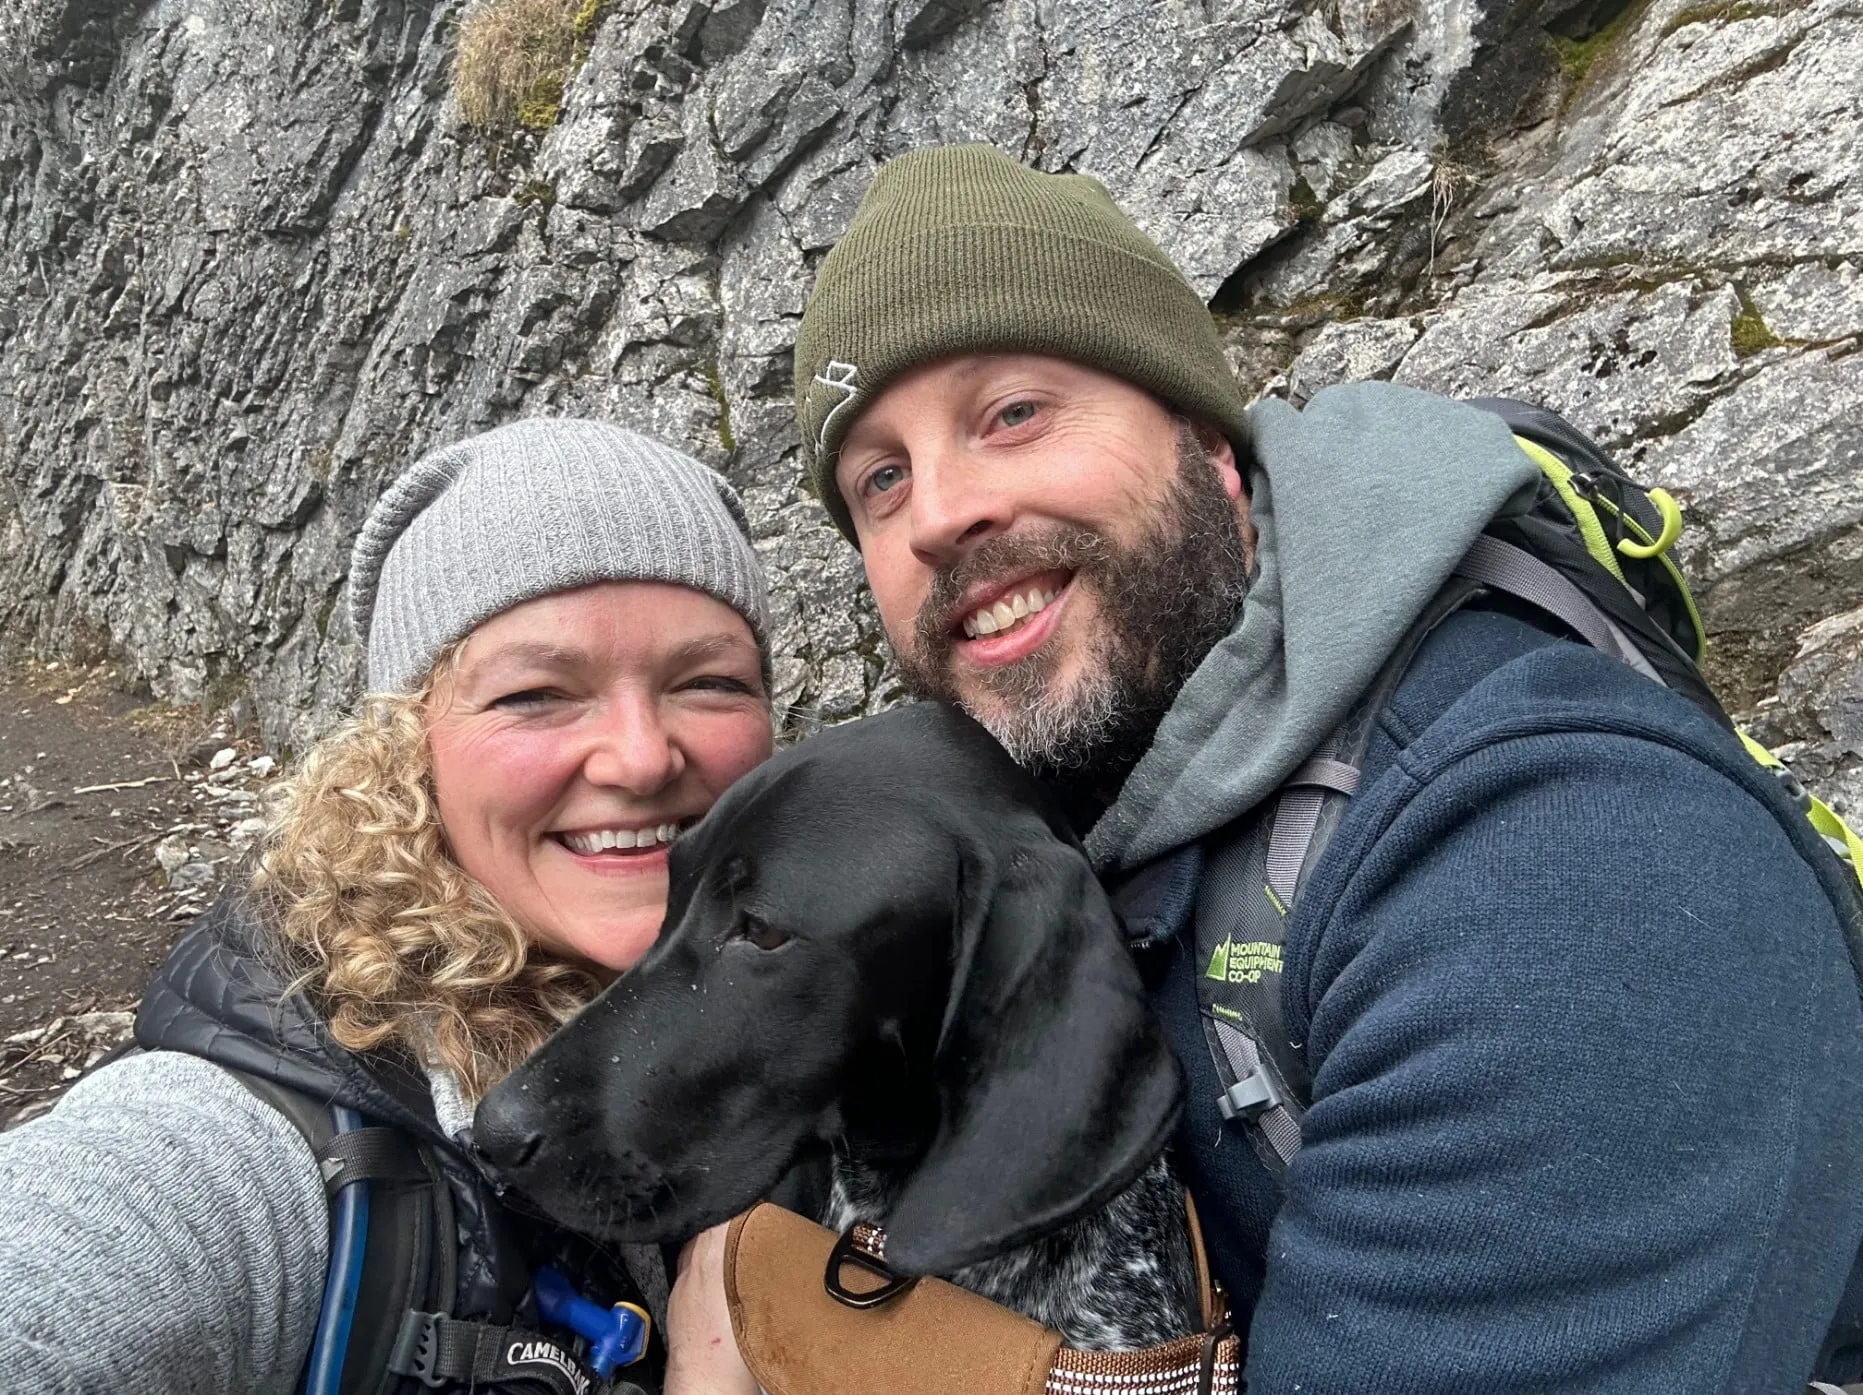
1446	183
514	58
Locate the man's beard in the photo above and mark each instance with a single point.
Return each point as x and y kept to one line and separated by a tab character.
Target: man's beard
1165	599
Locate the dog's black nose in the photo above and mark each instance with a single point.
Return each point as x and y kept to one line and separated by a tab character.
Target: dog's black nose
504	1137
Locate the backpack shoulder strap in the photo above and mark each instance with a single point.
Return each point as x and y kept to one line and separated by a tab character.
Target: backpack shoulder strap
1518	573
402	1243
308	1115
386	1324
1252	880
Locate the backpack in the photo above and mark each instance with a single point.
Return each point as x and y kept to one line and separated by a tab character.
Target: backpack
1593	553
432	1282
385	1327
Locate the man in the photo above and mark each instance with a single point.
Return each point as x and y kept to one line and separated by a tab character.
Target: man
1584	1037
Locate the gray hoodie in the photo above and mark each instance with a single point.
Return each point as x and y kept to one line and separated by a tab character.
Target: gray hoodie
1364	502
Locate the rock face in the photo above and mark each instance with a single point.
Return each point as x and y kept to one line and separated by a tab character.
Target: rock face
256	264
1676	268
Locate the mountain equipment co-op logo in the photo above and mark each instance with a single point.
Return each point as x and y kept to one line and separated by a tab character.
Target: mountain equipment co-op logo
1243	963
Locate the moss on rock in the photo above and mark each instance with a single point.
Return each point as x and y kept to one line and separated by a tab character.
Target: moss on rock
1578	57
1750	331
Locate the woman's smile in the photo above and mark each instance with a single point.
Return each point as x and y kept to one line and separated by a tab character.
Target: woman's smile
595	841
621	850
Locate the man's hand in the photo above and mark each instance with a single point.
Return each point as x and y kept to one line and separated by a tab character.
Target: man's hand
702	1354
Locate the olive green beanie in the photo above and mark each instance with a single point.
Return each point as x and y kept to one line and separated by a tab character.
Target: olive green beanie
959	249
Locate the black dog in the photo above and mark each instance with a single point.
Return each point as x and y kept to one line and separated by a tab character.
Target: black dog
883	943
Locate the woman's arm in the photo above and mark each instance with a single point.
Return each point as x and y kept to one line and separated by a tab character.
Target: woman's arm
161	1230
702	1354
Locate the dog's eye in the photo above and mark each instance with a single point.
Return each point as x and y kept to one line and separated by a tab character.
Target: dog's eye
761	933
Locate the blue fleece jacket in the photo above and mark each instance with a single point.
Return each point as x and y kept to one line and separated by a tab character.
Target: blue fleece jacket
1587	1056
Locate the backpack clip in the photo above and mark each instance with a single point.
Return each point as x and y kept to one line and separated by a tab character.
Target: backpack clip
1793	787
417	1349
443	1352
1252	1095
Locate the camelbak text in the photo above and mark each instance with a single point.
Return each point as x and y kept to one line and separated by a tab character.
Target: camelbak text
545	1354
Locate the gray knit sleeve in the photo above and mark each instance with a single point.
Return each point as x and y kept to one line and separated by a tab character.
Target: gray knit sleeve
161	1230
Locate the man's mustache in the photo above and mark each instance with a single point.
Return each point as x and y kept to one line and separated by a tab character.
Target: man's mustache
1060	548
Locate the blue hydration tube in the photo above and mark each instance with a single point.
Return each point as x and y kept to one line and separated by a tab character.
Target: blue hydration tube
349	1237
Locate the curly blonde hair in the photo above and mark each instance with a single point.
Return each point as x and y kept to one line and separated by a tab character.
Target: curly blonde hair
391	939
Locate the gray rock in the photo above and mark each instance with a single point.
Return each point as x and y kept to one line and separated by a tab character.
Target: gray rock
1673	266
257	266
1353	351
1811	301
171	854
1817	715
190	875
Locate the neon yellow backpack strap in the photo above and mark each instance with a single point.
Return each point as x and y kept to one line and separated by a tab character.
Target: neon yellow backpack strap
1821	816
1590	526
1639	545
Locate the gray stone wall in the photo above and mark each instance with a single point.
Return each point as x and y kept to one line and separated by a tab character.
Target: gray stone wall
254	264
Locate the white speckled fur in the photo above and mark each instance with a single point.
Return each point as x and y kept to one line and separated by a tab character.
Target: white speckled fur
1117	1280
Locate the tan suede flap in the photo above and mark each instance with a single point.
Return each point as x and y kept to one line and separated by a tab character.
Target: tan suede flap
931	1340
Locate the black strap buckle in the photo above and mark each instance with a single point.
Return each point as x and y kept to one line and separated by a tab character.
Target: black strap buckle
416	1351
864	1246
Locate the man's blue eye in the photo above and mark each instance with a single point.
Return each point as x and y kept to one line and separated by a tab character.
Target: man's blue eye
884	478
1016	413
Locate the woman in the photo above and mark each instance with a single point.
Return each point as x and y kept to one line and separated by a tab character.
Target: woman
565	625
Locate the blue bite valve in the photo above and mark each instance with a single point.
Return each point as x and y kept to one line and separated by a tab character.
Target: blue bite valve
617	1336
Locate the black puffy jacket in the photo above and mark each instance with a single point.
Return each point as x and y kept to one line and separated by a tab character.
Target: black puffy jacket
219	997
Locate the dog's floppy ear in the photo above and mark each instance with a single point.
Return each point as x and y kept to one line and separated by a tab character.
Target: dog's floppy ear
1057	1088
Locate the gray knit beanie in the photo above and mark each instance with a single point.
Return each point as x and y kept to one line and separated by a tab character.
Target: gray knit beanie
538	506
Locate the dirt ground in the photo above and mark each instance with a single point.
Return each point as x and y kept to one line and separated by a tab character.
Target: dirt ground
118	821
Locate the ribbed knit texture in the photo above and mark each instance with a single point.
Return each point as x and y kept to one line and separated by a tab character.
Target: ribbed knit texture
959	250
534	507
1587	1056
164	1232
